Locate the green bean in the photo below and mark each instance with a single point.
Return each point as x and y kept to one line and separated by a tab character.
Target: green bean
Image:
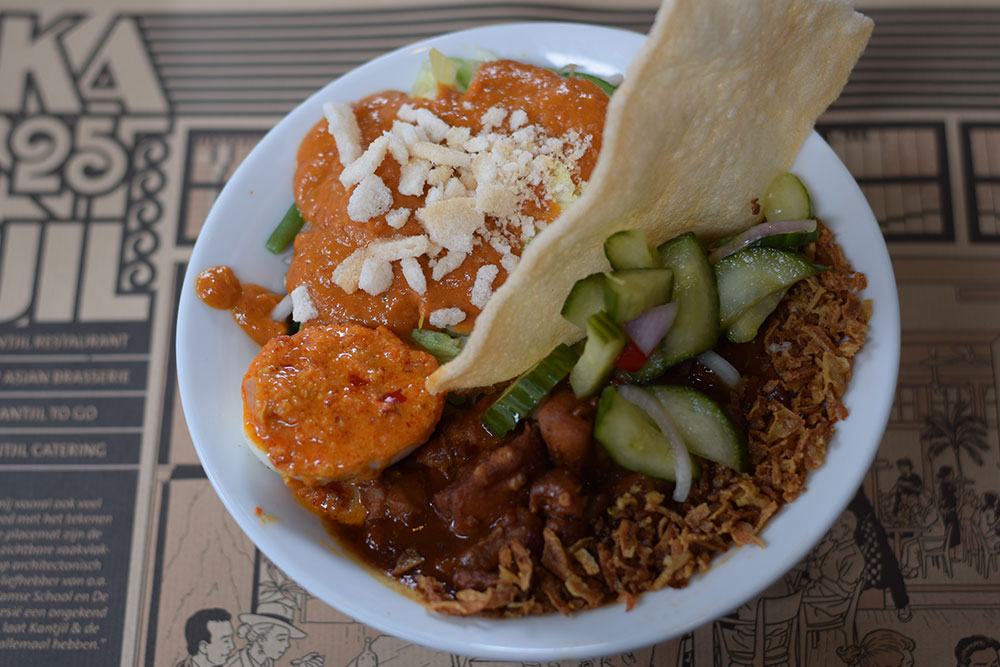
441	345
285	232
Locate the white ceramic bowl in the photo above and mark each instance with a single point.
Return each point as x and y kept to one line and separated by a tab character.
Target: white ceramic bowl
212	356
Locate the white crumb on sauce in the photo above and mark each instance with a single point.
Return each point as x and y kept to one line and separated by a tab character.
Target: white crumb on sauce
517	119
446	317
397	217
482	290
414	274
371	198
376	275
343	126
282	309
303	308
366	164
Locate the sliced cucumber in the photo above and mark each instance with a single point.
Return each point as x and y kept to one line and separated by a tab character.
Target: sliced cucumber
585	299
744	329
706	428
441	345
789	241
630	293
748	276
632	439
606	86
526	392
605	341
787	199
696	327
629	249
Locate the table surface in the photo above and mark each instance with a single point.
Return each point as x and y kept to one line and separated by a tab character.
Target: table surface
121	120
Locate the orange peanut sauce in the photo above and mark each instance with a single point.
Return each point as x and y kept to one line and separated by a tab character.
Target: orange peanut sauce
251	304
551	102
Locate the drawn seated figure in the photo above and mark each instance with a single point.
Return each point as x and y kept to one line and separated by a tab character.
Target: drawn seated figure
833	569
927	517
907	487
988	521
968	508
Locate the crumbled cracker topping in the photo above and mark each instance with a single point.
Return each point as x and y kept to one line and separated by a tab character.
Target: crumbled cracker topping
475	189
303	308
446	317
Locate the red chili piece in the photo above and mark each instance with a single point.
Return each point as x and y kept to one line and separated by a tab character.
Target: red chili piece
631	359
394	397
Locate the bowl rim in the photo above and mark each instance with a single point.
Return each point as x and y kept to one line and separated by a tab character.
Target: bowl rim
524	638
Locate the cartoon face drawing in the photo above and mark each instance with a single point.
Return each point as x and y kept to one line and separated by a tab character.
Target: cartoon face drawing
987	657
221	646
276	642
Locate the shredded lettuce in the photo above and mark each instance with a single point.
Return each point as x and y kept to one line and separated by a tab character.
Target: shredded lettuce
440	70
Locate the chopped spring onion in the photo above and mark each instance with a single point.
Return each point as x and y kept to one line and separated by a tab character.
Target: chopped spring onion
283	309
758	232
647	330
285	232
438	343
648	404
714	362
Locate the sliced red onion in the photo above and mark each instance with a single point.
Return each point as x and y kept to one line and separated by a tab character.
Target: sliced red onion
725	370
758	232
283	309
647	330
682	471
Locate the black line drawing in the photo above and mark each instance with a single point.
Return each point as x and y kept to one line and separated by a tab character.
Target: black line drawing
960	431
907	487
948	504
982	184
211	156
882	570
772	635
928	542
977	651
209	636
269	635
911	199
986	525
880	648
832	580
